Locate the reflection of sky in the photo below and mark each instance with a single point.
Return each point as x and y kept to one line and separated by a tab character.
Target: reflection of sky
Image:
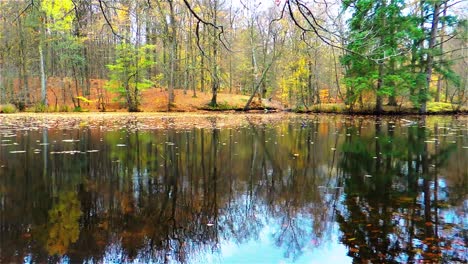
264	250
261	234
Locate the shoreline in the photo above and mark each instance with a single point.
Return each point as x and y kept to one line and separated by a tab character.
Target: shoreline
260	112
251	111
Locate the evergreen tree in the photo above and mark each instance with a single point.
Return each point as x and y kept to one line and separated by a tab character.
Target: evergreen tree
378	43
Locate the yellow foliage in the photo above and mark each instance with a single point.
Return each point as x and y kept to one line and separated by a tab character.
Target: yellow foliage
84	99
123	16
63	227
61	13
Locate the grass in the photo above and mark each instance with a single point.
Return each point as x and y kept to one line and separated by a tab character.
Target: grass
322	108
331	108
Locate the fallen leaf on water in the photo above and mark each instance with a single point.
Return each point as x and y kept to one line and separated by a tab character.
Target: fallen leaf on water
70	140
71	152
405	199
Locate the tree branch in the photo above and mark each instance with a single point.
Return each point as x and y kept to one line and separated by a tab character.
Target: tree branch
114	32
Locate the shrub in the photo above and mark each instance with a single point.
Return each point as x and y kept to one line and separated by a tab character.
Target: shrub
77	109
8	108
316	108
40	108
64	108
439	107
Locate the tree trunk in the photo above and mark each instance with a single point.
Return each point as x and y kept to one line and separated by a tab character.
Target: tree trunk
378	97
215	74
173	51
337	79
316	90
310	86
392	98
43	77
423	94
23	75
378	102
439	80
202	67
247	105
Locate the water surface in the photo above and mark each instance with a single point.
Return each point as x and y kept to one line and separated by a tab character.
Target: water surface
296	189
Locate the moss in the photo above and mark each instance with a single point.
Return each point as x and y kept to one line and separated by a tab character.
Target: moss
224	106
300	109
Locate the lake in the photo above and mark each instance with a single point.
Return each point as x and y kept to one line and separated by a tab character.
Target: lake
280	188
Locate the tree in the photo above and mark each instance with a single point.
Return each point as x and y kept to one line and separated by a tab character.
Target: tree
126	74
378	44
170	29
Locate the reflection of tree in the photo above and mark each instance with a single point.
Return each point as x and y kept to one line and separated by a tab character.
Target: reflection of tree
174	195
191	199
391	200
63	228
301	211
367	224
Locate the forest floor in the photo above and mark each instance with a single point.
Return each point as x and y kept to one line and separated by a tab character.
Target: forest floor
62	98
152	100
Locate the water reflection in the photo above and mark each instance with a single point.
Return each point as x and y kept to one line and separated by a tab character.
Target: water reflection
398	208
379	190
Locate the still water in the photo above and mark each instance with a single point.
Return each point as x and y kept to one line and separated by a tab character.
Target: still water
299	189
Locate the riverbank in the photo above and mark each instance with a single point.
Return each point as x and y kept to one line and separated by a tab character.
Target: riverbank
433	108
271	107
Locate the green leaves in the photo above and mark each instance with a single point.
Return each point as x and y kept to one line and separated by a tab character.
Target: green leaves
381	37
127	73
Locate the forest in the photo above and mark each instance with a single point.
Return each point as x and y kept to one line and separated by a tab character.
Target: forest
154	55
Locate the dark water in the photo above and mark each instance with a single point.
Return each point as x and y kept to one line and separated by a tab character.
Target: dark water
305	190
